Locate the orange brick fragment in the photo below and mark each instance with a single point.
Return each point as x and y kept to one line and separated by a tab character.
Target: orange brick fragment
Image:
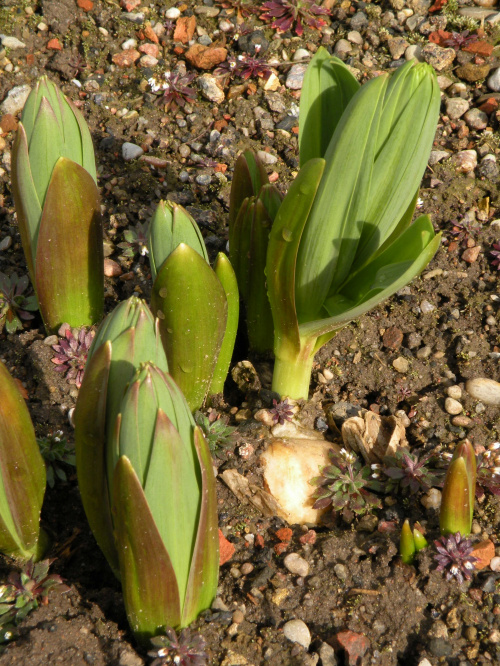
86	5
54	44
150	34
226	549
284	534
485	552
184	29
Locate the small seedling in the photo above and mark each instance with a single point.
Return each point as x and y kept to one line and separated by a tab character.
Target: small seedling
288	14
72	351
175	90
454	557
136	241
408	473
281	412
217	433
496	256
23	592
14	305
57	454
345	484
186	649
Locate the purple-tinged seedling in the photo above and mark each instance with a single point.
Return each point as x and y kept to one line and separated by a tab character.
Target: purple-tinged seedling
250	66
57	454
14	305
281	411
454	557
185	649
72	351
488	471
175	90
287	14
409	473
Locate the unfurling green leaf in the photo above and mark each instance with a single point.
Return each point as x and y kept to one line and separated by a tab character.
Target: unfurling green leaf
58	208
22	475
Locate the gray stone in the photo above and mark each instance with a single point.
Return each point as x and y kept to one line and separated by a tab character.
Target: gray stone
488	167
438	57
131	151
427	307
16	97
267	158
342	48
484	389
456	107
295	77
301	54
210	89
296	564
359	21
327	655
454	392
476	119
137	18
355	37
397	47
12	42
423	353
476	13
438	155
297	631
493	81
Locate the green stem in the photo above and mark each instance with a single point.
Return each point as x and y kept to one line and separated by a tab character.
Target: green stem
292	371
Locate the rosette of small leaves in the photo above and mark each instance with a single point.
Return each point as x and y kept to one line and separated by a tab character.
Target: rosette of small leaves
286	14
409	473
57	454
175	90
488	471
72	351
14	305
454	557
345	484
217	433
186	649
23	592
136	241
281	411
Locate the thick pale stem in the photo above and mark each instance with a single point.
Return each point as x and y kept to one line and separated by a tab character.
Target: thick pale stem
292	371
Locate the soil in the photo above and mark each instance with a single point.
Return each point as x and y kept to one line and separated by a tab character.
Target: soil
359	602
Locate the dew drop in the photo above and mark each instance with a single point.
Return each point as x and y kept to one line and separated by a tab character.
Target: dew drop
160	315
287	235
163	292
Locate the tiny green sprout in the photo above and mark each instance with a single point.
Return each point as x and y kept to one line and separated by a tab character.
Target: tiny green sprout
411	542
218	434
58	455
15	306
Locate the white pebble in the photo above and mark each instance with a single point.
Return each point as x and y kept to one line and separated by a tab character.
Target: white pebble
400	364
495	564
296	564
129	44
426	307
12	42
173	13
432	500
452	406
486	390
297	632
454	392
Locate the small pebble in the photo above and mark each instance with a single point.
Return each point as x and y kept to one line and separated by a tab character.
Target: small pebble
484	389
456	107
297	632
295	77
173	13
454	392
495	564
210	88
12	42
452	406
427	307
432	499
238	617
16	97
246	568
493	81
465	161
296	564
401	364
461	421
131	151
